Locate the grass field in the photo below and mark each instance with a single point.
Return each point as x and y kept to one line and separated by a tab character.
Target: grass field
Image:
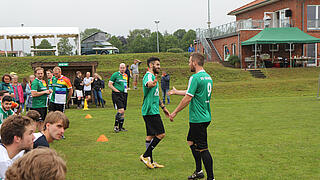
261	128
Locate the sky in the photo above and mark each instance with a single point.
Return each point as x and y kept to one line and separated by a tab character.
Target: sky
117	17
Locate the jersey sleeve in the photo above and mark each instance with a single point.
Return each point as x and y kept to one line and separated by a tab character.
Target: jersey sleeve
147	79
34	86
68	83
113	78
192	86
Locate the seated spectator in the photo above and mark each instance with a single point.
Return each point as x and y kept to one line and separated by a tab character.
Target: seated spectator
38	164
35	116
5	110
16	136
54	126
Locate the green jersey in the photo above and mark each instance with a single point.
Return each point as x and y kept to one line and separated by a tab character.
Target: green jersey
4	114
119	81
39	86
151	99
200	88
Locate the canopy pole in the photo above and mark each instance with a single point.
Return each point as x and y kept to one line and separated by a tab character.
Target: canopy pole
11	42
79	44
5	46
255	56
290	55
56	44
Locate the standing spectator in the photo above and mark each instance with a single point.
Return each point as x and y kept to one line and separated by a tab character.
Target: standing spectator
5	84
97	86
41	163
135	72
24	85
18	92
16	137
40	94
191	49
118	84
5	110
28	92
87	81
78	84
50	78
165	86
61	85
128	72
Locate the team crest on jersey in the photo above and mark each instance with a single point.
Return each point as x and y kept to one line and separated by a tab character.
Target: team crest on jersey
44	83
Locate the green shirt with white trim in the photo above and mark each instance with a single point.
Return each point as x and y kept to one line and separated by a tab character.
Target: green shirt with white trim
119	81
39	86
5	114
151	99
200	88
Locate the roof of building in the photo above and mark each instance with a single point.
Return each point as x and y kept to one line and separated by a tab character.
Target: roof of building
251	5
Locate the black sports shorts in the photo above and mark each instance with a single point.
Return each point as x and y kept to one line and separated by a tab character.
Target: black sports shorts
198	134
42	111
56	107
87	93
119	100
154	125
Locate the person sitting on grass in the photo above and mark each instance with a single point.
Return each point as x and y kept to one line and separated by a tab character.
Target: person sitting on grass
5	110
54	126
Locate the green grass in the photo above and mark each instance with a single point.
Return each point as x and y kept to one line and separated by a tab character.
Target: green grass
262	128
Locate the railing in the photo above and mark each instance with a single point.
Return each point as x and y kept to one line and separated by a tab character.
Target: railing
236	26
313	23
204	42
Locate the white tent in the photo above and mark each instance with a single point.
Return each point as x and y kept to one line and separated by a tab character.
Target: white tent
33	33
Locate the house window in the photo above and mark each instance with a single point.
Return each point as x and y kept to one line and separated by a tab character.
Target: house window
313	16
226	52
311	52
283	20
234	49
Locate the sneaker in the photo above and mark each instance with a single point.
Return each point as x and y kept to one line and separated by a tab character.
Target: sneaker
116	129
146	161
197	175
123	129
156	165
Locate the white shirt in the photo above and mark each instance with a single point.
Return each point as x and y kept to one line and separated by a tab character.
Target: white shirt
5	161
85	82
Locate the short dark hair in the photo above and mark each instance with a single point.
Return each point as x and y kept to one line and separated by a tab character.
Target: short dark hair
197	57
6	98
49	70
8	75
2	92
34	115
151	60
14	126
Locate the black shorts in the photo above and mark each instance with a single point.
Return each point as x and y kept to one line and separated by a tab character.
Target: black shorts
87	93
119	100
154	125
42	111
198	134
56	107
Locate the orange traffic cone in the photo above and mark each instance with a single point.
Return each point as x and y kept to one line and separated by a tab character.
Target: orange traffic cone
88	116
102	138
85	105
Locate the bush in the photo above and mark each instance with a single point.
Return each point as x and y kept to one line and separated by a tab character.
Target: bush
175	50
234	59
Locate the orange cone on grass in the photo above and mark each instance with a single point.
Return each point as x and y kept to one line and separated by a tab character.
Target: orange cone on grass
88	116
102	138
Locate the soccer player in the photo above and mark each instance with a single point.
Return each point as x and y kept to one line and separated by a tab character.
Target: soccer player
39	95
16	136
50	78
118	84
54	126
78	84
5	110
61	85
150	112
87	81
198	95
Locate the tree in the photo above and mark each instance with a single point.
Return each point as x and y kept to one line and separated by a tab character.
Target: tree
64	47
116	43
44	44
144	33
153	42
170	42
179	33
188	39
138	45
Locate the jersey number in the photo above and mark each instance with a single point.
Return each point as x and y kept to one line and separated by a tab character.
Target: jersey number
209	89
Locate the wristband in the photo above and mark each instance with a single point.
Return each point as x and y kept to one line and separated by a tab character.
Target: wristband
162	107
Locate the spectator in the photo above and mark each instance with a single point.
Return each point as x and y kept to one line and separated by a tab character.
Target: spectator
5	110
165	86
78	84
18	92
129	75
24	85
16	137
51	78
5	84
135	72
28	92
191	49
87	81
39	164
36	117
97	86
2	94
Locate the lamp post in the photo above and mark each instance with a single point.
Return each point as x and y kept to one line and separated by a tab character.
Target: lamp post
157	22
22	42
209	22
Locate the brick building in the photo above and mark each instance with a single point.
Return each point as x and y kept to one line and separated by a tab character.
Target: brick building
220	42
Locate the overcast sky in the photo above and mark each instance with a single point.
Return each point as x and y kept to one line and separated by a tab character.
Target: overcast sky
116	17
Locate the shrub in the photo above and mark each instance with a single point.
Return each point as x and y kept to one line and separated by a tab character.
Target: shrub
234	59
175	50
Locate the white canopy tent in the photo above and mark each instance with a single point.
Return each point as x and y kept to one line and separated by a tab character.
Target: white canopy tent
33	33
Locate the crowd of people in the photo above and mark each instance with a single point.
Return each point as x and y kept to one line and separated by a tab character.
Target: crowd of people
25	139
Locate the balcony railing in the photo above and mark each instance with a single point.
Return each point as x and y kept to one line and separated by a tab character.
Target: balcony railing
313	24
236	26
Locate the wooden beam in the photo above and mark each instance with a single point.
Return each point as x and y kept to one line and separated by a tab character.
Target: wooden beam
11	41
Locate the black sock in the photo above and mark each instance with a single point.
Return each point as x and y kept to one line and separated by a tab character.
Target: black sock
197	158
118	115
147	144
79	102
152	145
121	120
208	164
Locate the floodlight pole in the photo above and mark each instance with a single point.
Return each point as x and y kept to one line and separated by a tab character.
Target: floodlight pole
209	22
157	22
22	42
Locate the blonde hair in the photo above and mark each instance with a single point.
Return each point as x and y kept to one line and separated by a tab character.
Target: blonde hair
38	164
